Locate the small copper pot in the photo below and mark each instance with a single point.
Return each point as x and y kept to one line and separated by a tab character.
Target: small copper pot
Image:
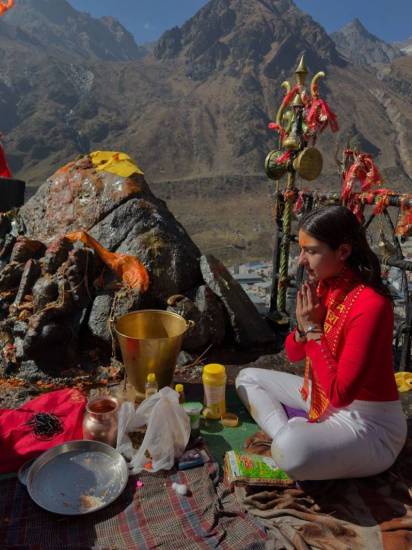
100	420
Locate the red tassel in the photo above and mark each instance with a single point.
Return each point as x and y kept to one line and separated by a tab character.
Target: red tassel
284	158
277	128
297	209
362	169
320	115
290	95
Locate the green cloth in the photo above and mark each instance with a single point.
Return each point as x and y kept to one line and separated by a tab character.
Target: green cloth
219	438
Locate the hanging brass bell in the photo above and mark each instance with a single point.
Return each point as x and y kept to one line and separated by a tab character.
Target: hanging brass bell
275	170
308	164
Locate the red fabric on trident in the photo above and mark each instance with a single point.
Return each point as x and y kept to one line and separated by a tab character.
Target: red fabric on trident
320	115
363	169
5	5
4	168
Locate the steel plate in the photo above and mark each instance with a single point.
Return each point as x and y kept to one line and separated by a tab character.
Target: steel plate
24	471
77	478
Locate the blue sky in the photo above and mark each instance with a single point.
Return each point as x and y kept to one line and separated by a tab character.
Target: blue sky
391	20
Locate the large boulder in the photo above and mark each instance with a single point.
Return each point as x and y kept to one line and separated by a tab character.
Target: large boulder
248	326
57	292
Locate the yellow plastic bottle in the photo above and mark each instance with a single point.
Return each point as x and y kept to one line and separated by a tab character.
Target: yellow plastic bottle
214	386
181	391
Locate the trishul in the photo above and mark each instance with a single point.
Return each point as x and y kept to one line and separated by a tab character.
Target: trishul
296	99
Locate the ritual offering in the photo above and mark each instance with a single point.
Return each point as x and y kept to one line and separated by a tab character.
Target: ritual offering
230	420
100	420
214	385
403	381
191	459
250	469
76	478
193	410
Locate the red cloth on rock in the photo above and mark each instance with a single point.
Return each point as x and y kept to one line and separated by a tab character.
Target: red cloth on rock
17	440
363	366
4	168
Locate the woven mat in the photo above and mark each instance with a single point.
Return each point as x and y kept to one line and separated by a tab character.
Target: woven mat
152	516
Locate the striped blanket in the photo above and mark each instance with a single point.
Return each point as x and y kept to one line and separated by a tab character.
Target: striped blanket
152	516
372	513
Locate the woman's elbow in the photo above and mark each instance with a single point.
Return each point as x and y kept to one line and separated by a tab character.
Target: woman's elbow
340	400
293	356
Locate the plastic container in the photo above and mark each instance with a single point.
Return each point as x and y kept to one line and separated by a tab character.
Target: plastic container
181	391
193	410
151	386
214	385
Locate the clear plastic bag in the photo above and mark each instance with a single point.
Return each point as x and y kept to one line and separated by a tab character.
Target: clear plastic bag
167	432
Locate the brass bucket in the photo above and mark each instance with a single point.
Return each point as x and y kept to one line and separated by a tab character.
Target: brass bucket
150	341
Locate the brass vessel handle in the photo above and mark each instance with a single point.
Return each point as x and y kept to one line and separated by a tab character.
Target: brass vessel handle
190	324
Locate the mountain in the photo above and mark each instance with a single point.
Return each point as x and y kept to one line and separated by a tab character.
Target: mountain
233	35
61	30
361	47
194	111
405	46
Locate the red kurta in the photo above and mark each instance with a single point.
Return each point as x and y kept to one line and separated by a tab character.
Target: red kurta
363	367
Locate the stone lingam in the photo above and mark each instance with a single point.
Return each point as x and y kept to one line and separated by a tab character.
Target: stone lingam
57	295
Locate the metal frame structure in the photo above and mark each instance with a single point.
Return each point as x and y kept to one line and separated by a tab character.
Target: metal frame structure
281	281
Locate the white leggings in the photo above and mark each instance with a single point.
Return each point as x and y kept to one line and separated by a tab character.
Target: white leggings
360	440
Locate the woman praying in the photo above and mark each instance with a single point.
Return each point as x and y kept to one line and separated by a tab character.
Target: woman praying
355	426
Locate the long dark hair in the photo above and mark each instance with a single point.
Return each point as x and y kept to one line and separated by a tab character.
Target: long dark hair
336	225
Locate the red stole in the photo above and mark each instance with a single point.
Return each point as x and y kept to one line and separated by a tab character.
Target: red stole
338	305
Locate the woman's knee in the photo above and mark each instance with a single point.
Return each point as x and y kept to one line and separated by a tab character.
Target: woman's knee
291	453
246	377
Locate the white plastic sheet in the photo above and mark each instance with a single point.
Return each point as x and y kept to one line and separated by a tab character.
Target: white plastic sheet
167	432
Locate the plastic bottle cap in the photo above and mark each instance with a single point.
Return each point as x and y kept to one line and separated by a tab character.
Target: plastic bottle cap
193	407
214	369
151	377
179	388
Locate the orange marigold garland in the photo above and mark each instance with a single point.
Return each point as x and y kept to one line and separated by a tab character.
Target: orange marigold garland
5	5
404	225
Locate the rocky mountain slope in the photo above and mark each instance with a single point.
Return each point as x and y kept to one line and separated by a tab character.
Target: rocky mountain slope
55	27
361	47
194	113
405	46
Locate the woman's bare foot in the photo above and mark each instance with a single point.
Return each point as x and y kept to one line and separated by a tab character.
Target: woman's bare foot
259	443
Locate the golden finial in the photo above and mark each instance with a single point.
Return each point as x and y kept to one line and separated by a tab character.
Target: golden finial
302	67
301	71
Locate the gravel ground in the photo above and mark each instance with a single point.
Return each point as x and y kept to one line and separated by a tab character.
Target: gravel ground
14	392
